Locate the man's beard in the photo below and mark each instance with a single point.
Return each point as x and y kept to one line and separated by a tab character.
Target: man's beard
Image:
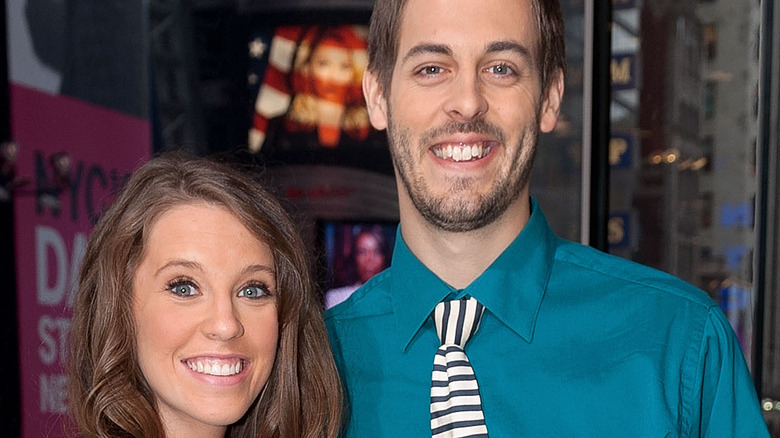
453	212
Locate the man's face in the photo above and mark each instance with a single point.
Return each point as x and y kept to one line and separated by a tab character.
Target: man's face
465	108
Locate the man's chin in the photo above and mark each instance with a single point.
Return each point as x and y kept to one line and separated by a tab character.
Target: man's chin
458	219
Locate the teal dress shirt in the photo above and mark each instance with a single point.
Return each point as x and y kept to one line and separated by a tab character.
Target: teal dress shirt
574	343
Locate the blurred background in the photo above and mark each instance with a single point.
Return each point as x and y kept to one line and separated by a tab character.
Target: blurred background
667	152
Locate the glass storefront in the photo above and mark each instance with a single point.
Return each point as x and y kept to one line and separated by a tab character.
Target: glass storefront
557	175
684	123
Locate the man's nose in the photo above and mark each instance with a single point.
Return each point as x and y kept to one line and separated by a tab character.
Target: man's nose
467	100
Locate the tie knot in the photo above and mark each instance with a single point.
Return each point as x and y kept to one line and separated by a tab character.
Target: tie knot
457	320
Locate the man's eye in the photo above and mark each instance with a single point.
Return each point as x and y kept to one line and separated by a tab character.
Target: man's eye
183	289
501	69
431	70
254	291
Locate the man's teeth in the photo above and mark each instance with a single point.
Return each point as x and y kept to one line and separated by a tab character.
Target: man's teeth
461	152
215	369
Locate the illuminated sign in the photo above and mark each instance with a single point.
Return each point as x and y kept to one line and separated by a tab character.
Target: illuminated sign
618	229
736	215
623	71
621	146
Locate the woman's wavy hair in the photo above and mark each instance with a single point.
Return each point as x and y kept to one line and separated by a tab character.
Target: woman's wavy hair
109	396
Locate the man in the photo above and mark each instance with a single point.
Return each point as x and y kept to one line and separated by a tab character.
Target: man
572	342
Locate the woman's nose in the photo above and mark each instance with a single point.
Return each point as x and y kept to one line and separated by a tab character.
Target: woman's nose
222	321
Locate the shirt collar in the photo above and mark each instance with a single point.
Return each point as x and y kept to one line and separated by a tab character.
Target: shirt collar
512	287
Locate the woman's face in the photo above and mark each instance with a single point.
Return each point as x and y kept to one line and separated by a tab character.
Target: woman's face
368	257
333	71
204	303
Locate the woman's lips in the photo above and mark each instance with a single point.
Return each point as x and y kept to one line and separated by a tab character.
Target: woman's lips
215	367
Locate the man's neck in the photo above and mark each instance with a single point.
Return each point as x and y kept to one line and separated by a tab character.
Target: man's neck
458	258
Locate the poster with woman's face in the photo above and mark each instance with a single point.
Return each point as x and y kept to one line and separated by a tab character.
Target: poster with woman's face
354	252
309	107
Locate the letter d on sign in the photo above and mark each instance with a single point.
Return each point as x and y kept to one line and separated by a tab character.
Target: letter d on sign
45	238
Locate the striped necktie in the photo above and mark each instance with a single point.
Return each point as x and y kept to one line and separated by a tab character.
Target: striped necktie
456	408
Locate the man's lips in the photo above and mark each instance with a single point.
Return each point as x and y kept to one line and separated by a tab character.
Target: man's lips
462	151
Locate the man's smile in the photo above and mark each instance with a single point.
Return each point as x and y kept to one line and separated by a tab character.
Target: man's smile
463	151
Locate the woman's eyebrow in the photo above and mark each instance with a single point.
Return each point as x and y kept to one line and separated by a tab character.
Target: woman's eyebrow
251	269
179	263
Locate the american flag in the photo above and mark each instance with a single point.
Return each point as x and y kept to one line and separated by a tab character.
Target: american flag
289	49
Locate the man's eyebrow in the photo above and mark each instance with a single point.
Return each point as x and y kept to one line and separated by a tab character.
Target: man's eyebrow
511	46
419	49
497	46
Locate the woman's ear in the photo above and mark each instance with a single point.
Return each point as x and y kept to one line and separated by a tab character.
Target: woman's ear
551	105
376	102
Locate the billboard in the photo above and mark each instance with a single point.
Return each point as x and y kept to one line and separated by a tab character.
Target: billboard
79	121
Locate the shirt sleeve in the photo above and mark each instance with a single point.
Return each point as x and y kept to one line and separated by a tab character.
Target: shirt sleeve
726	399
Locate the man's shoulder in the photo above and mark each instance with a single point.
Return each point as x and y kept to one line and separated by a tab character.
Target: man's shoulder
584	262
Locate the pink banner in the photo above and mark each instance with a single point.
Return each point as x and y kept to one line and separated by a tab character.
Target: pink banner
73	157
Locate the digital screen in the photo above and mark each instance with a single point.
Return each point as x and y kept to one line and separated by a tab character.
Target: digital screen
353	253
308	105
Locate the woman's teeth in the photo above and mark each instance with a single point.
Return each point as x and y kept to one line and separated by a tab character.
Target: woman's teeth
215	369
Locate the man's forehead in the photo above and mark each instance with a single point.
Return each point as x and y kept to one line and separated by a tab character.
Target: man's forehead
447	25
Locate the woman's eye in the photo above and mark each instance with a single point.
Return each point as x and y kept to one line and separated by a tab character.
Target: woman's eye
183	289
254	291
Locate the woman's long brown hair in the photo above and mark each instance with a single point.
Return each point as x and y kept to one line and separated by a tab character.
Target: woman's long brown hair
108	394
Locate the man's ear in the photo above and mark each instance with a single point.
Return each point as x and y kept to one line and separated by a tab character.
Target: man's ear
376	102
551	105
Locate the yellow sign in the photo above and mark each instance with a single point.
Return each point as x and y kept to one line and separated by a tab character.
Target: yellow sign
622	70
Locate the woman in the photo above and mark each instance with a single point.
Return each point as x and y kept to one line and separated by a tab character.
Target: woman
196	314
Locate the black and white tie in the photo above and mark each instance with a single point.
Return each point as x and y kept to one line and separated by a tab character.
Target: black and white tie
456	408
